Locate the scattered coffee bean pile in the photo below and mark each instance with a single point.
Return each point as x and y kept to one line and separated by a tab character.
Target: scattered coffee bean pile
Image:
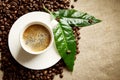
11	10
77	36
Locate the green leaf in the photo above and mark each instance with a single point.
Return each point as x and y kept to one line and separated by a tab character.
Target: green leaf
76	18
65	41
80	22
63	33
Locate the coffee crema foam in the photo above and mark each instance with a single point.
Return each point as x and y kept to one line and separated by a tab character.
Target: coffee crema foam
37	37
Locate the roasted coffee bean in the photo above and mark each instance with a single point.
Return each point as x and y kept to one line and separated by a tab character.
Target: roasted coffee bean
68	51
78	37
48	77
61	71
78	51
5	19
77	47
77	42
61	76
15	12
75	0
74	28
45	72
33	76
78	33
72	6
4	33
74	32
90	21
53	69
2	28
50	71
0	39
78	28
37	75
10	11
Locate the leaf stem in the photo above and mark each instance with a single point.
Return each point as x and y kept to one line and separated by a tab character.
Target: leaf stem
48	11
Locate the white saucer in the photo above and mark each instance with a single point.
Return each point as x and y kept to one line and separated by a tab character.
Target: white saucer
36	62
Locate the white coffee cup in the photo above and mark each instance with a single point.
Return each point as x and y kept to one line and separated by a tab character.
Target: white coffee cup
48	26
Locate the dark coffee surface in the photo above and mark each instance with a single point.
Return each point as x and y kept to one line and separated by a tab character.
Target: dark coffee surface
11	10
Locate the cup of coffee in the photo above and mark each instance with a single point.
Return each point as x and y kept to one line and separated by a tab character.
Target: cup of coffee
36	37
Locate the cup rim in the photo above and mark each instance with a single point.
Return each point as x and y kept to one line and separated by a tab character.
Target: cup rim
22	42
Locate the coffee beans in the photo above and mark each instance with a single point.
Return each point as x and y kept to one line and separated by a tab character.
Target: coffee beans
11	10
72	6
77	35
61	76
68	51
75	0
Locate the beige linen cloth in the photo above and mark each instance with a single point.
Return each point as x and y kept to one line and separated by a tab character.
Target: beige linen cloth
99	58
